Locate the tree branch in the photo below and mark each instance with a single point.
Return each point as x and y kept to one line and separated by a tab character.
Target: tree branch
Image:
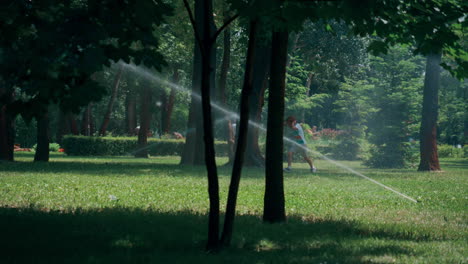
192	21
226	24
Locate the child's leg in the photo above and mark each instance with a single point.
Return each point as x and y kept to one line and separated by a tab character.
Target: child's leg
309	160
290	154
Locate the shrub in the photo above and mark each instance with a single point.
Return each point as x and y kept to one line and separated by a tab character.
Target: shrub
401	155
447	151
25	133
347	146
118	146
329	134
53	147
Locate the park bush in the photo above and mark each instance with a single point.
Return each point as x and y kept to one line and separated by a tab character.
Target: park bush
448	151
118	146
53	147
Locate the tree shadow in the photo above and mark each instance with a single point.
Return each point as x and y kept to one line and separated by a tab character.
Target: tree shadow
100	166
123	235
459	164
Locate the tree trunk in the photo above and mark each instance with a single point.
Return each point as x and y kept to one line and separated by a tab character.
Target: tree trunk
206	86
43	138
145	119
7	132
242	137
261	65
62	127
274	202
194	143
428	131
229	134
130	113
193	137
110	105
73	124
168	106
86	122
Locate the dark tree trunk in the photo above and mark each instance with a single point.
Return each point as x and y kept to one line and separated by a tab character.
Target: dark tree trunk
130	113
92	124
428	131
261	65
188	154
145	119
193	153
242	138
110	105
206	86
168	106
86	122
7	133
274	202
193	138
163	98
73	124
62	128
229	135
43	138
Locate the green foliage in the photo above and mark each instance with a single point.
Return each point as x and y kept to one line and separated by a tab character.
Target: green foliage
319	60
53	147
447	151
49	50
397	77
118	146
25	133
453	114
354	111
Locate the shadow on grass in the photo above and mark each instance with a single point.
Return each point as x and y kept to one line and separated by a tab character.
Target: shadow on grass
136	236
459	164
108	166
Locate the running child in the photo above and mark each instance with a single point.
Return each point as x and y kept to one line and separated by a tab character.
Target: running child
296	133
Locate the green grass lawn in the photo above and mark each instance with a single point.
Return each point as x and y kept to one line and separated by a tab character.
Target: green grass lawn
126	210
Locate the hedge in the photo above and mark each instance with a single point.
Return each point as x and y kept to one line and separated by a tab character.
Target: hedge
119	146
448	151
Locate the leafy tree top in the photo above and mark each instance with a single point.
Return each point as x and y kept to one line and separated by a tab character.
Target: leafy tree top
49	51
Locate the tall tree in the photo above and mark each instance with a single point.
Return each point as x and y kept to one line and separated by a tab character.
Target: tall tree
261	64
130	111
433	27
203	21
87	128
428	133
222	83
274	201
168	104
110	105
206	41
6	124
43	138
146	95
242	137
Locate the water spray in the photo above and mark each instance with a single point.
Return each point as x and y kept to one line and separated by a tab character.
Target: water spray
146	73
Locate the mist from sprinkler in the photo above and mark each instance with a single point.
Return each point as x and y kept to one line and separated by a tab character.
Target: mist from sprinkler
154	77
